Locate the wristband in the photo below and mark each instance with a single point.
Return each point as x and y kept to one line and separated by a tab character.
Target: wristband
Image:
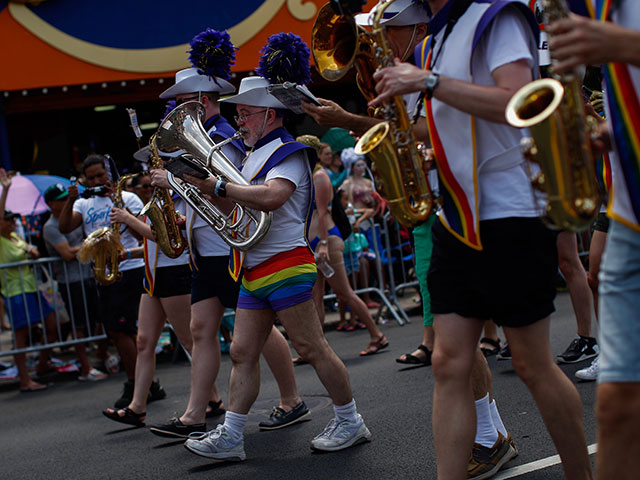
128	254
324	242
221	188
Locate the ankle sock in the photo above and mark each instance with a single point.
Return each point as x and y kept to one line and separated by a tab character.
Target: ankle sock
497	421
346	412
234	424
486	433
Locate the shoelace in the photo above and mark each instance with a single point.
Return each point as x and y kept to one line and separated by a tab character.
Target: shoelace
328	430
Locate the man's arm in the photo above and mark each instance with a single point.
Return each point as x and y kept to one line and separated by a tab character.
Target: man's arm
69	220
65	251
578	41
483	101
330	114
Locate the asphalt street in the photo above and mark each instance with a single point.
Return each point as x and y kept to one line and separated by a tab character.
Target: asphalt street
62	434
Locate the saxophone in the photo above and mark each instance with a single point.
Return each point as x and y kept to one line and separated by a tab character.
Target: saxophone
103	246
553	110
398	159
162	213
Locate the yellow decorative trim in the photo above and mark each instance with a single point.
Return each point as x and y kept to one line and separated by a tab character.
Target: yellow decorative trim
302	11
152	60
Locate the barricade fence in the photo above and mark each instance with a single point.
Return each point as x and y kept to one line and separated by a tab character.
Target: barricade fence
391	256
48	304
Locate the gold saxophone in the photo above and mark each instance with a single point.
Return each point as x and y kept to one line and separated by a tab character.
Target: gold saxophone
103	246
553	110
162	213
398	159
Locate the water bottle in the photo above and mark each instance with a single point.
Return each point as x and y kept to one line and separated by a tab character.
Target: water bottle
324	268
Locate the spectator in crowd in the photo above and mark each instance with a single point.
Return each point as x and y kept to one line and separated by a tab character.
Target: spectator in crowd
74	280
25	303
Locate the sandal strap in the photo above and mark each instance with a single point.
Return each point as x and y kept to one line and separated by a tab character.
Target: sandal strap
424	349
131	413
491	341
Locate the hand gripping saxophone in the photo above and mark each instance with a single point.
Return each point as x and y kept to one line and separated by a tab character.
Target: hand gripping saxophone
103	245
182	129
162	213
553	111
398	159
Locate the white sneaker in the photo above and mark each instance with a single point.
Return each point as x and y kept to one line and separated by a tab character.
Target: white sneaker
590	373
217	444
340	435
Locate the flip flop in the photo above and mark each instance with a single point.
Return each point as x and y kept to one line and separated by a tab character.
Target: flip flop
496	346
410	359
34	388
375	347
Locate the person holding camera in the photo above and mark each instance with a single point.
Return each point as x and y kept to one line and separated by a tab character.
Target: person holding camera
119	301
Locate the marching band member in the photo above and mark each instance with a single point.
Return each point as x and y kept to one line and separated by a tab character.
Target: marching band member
612	39
213	289
488	229
279	272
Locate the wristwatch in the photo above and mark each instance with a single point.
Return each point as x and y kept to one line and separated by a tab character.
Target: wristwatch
430	83
324	242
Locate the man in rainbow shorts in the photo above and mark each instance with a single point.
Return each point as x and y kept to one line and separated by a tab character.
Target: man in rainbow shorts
279	273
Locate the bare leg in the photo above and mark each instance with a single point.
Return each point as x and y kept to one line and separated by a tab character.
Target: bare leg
178	312
277	354
126	345
618	424
555	395
595	258
576	277
22	338
454	415
205	361
490	331
481	382
318	294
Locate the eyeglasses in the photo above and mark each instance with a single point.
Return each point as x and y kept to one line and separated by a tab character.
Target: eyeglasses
243	118
188	99
146	186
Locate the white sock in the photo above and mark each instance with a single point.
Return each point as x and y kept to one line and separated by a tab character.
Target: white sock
486	433
346	412
234	423
497	421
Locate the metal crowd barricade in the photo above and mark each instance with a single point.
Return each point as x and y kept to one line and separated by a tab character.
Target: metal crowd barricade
43	270
386	289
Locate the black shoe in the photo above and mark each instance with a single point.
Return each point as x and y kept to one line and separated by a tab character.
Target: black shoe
504	353
581	348
127	395
176	429
156	392
280	419
216	409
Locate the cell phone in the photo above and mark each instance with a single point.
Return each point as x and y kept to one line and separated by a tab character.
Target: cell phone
182	165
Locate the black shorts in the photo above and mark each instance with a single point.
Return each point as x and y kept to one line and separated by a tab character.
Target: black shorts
119	302
212	279
171	281
511	281
602	223
72	295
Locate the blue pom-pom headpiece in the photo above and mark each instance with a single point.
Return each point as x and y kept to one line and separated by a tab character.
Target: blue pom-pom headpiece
212	53
171	104
285	58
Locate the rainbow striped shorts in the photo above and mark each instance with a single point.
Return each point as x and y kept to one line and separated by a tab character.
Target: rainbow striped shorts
283	281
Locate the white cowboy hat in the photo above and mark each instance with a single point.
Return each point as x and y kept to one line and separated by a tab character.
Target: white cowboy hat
190	81
253	91
400	13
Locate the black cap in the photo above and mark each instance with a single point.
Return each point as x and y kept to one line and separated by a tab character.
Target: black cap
55	192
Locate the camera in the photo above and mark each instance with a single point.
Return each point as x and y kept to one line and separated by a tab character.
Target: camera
99	191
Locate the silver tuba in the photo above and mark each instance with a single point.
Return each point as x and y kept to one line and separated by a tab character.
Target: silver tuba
182	129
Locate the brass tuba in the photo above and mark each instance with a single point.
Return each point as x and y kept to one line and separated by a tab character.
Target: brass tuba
103	245
182	130
337	44
398	159
553	111
162	213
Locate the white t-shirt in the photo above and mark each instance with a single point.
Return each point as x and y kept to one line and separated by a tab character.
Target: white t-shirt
95	214
163	260
503	193
287	227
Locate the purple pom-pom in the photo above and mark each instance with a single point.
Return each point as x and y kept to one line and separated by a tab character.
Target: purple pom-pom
171	104
285	58
212	53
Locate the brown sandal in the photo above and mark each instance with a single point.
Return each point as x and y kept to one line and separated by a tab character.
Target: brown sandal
375	347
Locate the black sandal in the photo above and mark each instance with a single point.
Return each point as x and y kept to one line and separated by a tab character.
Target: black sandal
130	417
216	409
410	359
488	352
